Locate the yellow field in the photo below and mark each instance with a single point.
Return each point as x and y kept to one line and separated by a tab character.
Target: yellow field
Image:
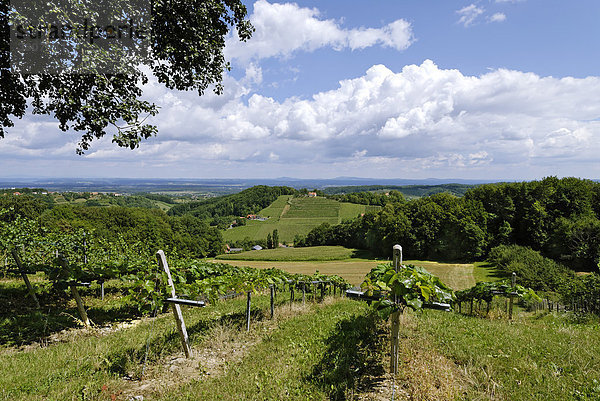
456	276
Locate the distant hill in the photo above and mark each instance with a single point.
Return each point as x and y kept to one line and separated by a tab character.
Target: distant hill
295	216
406	190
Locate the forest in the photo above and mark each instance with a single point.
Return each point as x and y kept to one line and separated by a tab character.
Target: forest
557	217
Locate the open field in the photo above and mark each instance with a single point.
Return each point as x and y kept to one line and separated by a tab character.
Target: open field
457	276
295	216
316	253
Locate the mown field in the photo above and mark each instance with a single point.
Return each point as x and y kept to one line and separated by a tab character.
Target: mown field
295	216
353	265
317	253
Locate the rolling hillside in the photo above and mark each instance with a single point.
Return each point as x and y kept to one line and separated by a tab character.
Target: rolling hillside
292	216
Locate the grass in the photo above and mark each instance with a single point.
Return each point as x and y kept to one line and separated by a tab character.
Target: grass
317	253
284	365
457	276
354	269
541	357
296	216
274	360
332	350
22	324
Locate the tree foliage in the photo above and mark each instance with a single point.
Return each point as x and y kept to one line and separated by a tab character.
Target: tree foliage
186	53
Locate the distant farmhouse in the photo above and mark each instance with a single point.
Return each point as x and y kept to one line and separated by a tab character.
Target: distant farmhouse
255	217
312	194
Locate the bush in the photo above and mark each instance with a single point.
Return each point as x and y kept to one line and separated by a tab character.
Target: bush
533	270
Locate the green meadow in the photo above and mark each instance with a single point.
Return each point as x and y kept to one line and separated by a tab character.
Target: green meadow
296	216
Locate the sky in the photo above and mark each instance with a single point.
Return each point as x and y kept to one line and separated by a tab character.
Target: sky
489	89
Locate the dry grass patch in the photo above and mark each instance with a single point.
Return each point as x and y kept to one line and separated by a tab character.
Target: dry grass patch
223	345
425	374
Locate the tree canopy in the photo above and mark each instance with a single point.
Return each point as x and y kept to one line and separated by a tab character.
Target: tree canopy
187	38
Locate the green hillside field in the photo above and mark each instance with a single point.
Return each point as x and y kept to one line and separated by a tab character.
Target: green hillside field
292	216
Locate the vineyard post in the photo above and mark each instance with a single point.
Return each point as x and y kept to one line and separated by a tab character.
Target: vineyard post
185	342
272	301
395	340
102	289
513	282
19	263
248	311
80	307
303	293
291	294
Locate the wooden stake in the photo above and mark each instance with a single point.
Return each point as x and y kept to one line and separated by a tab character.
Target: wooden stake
303	293
395	335
272	302
248	312
185	342
19	263
510	299
80	307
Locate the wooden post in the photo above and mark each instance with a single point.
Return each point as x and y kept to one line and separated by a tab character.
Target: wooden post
303	293
185	342
272	302
19	263
248	311
102	289
510	299
395	335
291	294
80	307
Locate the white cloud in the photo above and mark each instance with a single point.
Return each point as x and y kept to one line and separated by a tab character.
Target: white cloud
497	17
282	29
419	119
469	14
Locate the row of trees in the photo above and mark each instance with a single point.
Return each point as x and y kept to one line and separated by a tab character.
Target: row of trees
558	217
186	234
248	201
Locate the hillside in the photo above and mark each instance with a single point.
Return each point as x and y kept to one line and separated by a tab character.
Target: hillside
295	216
409	191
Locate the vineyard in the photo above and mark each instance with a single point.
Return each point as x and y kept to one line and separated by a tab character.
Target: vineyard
90	317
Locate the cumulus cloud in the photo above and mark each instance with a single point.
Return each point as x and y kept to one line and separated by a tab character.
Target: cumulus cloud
497	17
469	14
282	29
421	118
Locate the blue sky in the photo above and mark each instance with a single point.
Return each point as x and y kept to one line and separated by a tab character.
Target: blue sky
494	89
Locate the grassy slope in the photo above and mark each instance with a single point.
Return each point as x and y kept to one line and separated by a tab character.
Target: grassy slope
443	356
544	358
92	366
281	366
293	216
